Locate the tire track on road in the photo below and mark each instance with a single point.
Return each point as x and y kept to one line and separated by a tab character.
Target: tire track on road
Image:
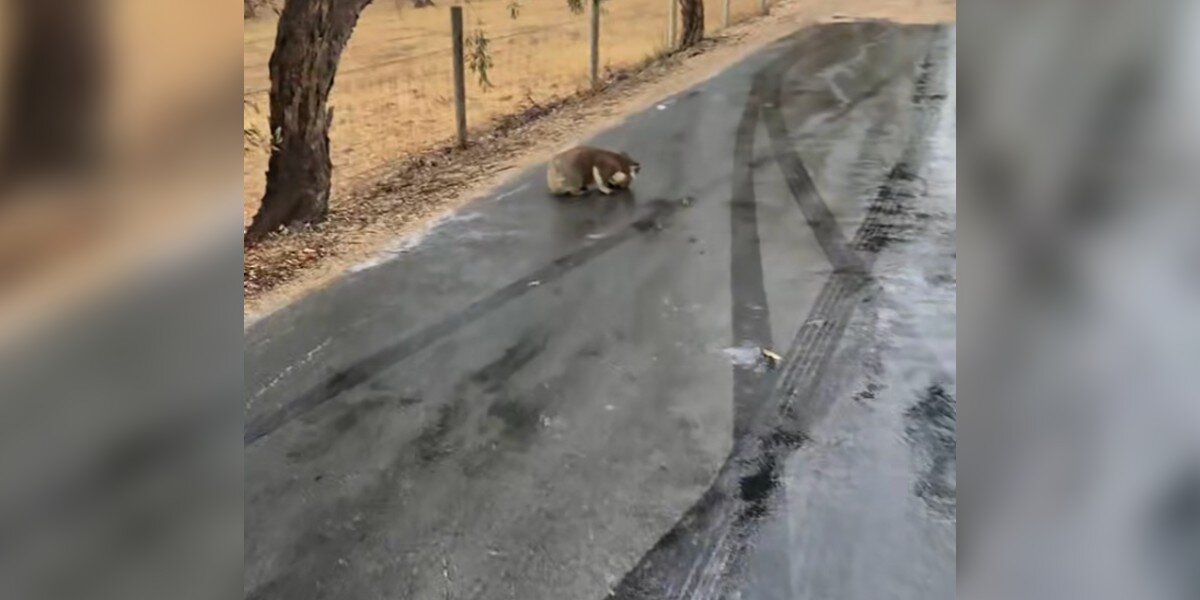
368	367
710	538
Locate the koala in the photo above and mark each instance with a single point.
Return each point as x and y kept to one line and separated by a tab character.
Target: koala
572	172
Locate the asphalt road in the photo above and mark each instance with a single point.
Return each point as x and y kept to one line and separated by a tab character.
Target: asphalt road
547	398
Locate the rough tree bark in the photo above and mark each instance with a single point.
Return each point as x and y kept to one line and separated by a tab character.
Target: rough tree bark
308	45
693	22
56	88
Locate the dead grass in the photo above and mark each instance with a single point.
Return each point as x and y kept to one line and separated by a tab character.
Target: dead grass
394	170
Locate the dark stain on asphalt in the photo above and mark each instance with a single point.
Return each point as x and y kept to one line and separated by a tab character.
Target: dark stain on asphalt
345	422
319	439
893	198
326	532
757	487
520	418
432	443
931	427
488	386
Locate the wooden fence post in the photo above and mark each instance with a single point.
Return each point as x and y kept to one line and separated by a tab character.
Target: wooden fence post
595	44
725	18
765	8
673	27
460	86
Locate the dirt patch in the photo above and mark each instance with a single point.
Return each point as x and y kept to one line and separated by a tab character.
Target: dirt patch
424	187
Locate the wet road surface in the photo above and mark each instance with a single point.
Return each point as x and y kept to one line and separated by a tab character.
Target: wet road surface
563	399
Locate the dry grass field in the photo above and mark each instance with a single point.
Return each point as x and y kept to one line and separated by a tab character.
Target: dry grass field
393	93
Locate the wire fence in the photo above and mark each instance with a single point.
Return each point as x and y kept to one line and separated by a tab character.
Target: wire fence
394	92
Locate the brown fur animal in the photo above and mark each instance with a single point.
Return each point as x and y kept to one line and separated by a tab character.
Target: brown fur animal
572	172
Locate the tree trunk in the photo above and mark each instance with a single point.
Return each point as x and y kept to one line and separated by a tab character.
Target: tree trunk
56	87
308	45
693	22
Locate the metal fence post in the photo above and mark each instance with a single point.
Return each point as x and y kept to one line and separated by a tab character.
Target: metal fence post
595	44
460	86
672	28
725	16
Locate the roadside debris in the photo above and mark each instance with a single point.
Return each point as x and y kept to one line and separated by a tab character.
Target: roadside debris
753	356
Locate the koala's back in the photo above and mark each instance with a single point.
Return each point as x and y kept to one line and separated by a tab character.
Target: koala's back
570	171
608	163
